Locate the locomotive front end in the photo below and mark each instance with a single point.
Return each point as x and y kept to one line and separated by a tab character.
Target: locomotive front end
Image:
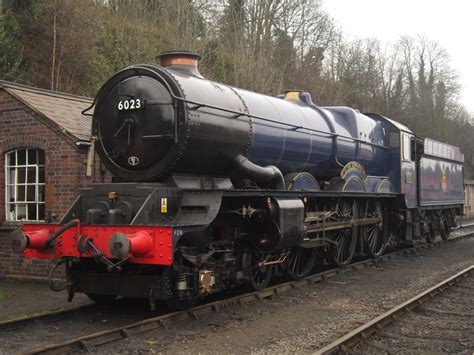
151	121
135	124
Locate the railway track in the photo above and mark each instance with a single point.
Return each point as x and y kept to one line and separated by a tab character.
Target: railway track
418	325
91	342
44	317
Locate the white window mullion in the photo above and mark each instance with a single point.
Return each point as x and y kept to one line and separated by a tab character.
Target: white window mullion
15	186
37	187
7	178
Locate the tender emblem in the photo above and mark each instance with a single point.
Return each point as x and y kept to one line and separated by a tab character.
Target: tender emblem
133	160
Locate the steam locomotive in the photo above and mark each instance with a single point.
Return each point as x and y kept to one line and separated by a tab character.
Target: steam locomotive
215	187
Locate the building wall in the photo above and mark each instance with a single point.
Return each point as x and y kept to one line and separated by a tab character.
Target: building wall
65	173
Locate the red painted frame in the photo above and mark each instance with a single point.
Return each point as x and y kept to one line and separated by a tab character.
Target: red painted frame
66	243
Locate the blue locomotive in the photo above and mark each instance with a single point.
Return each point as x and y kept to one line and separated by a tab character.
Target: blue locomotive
216	186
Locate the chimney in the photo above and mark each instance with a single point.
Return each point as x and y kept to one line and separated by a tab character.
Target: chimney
182	61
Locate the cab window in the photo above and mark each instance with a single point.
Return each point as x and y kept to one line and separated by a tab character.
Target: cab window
406	147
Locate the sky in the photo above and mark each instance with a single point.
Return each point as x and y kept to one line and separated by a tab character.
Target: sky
450	23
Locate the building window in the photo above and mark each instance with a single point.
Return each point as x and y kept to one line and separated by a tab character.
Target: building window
24	190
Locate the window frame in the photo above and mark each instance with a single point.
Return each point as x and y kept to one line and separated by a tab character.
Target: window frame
406	147
31	185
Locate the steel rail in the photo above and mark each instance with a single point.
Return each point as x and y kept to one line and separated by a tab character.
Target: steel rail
46	316
90	342
344	344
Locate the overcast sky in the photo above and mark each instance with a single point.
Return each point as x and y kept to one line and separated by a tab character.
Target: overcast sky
451	23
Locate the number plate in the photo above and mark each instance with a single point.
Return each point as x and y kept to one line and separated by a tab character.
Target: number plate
130	104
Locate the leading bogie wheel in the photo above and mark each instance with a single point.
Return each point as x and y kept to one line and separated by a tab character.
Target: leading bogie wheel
258	274
300	262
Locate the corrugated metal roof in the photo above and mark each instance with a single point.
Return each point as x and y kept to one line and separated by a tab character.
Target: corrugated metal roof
63	109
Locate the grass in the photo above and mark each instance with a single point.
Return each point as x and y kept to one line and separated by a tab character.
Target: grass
3	294
26	315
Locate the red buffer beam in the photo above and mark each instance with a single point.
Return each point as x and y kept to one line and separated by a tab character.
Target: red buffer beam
141	244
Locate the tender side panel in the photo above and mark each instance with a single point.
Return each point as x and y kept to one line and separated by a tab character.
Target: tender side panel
441	181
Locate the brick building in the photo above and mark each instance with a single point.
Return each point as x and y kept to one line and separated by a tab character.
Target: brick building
44	155
469	199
